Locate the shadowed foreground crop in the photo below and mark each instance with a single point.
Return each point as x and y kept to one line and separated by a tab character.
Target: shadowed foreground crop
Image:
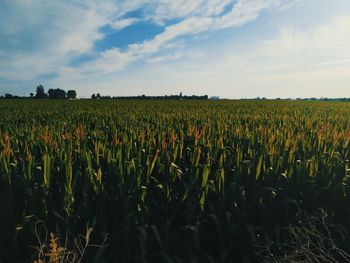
173	181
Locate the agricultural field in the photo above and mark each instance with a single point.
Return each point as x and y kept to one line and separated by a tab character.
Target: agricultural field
174	181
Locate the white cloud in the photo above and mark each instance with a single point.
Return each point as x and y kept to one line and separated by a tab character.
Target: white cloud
293	63
71	28
326	43
169	9
336	62
242	12
77	32
48	34
173	56
188	26
110	61
123	23
51	33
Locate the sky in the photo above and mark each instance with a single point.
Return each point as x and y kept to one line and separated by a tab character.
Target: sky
226	48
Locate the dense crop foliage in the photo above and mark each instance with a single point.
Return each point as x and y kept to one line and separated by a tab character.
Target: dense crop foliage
170	181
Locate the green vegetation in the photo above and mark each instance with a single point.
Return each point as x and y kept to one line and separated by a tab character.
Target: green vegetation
171	181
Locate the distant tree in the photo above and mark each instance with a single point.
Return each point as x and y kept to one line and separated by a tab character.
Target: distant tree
51	93
31	94
96	96
40	92
57	94
71	94
8	96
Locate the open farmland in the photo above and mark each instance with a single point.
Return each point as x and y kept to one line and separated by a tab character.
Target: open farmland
172	181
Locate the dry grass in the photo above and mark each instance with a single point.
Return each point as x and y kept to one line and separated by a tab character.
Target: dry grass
51	250
313	241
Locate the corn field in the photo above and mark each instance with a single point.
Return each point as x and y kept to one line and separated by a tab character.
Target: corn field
170	181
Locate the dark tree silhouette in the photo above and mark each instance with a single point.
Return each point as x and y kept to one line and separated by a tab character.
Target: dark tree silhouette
40	92
57	94
71	94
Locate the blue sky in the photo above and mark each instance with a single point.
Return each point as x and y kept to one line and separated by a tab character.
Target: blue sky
226	48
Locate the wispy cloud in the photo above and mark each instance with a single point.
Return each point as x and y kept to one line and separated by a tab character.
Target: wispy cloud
48	34
123	23
243	11
51	34
287	64
335	62
294	63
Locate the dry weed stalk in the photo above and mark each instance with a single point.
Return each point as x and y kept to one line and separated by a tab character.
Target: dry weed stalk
313	241
51	251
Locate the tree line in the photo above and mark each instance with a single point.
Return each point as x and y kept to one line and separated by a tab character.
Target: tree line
144	97
51	94
54	93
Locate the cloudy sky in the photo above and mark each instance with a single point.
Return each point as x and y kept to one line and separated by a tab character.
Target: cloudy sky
228	48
